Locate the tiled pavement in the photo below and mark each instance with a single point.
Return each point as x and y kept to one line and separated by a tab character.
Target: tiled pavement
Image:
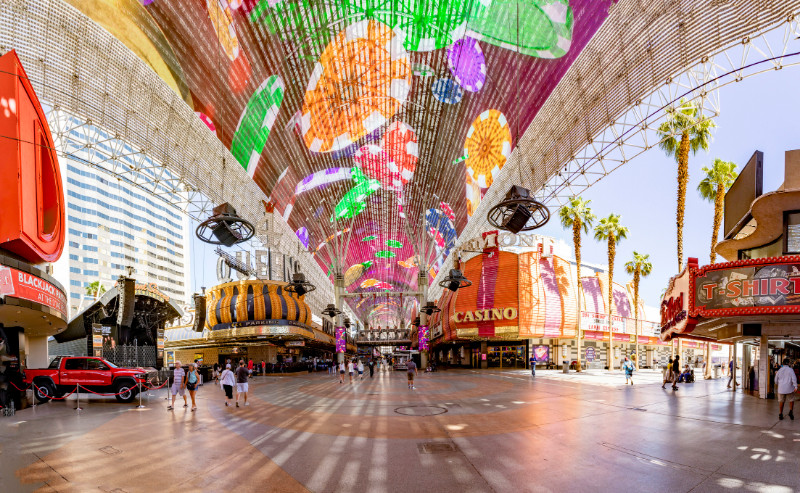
460	431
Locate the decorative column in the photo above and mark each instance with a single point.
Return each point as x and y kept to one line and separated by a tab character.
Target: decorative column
763	368
340	331
422	287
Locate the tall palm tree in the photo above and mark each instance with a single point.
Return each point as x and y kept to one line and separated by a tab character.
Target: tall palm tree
719	178
640	267
613	232
95	289
578	216
686	129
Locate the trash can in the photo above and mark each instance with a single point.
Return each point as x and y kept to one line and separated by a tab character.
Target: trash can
565	367
716	371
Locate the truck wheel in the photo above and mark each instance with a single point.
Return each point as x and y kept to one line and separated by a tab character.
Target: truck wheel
125	391
44	393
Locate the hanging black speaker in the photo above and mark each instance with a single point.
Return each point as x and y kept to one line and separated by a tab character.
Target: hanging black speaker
199	313
127	301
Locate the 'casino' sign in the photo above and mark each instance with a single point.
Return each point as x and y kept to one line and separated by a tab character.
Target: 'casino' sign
487	315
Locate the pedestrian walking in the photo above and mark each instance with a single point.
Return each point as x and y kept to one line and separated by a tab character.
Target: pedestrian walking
667	373
786	386
676	369
360	367
263	367
628	367
342	369
732	374
215	372
191	383
533	364
250	366
241	383
178	375
350	369
411	367
227	381
371	368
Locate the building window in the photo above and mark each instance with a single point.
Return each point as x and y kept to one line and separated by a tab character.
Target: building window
74	270
792	232
73	257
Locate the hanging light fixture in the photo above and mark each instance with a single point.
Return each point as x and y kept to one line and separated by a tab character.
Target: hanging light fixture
430	308
225	227
299	285
331	311
455	281
346	323
518	212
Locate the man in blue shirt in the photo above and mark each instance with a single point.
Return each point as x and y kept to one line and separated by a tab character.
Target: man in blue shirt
533	364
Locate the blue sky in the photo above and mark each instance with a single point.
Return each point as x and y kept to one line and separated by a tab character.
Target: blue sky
755	114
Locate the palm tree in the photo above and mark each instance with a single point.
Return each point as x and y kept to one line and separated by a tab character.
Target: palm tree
719	178
640	267
613	232
577	215
95	289
686	129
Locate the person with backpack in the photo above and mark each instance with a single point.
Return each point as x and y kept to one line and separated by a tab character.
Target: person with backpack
628	367
360	368
227	381
191	383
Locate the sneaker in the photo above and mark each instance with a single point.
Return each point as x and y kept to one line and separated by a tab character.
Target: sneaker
170	408
780	417
791	415
237	404
413	388
186	405
226	404
246	403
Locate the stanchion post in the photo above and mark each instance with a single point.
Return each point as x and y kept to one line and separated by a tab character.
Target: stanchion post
140	406
33	396
78	393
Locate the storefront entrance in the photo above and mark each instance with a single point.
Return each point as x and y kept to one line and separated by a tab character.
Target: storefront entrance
506	356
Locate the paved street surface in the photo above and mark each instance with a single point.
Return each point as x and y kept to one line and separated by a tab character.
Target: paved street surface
460	431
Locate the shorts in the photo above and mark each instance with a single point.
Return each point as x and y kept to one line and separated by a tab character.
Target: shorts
786	397
360	372
178	389
228	391
341	372
241	387
410	376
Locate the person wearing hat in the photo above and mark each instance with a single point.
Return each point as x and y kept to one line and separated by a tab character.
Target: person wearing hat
227	380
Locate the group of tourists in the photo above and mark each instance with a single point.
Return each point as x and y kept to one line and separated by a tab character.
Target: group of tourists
227	378
355	365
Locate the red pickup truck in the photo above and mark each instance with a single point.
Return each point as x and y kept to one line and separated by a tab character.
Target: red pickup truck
65	373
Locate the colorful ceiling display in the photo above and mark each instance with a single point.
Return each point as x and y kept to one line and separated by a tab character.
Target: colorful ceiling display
385	119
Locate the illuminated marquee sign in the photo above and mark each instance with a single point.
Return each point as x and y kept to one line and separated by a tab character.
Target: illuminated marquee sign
747	287
675	309
26	286
486	315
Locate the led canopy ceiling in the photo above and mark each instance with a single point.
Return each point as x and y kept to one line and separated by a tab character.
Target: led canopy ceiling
374	127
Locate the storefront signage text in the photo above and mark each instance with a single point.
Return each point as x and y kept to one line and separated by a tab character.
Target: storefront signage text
152	291
26	286
486	315
746	287
674	310
502	240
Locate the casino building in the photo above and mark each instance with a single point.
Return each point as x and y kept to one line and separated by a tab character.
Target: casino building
524	300
251	319
753	299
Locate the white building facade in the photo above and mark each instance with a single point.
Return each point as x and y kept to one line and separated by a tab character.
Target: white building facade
113	225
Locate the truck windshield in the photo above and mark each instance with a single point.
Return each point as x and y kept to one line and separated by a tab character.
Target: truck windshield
56	363
112	365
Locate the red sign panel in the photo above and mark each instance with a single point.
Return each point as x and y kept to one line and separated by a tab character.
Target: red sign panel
747	287
22	285
32	200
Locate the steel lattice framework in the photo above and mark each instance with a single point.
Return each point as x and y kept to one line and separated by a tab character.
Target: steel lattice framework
600	115
769	42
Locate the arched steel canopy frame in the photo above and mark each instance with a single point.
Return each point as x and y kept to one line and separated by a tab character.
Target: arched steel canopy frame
614	110
77	66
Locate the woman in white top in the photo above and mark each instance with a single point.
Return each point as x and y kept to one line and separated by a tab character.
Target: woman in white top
350	370
342	369
360	370
227	381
